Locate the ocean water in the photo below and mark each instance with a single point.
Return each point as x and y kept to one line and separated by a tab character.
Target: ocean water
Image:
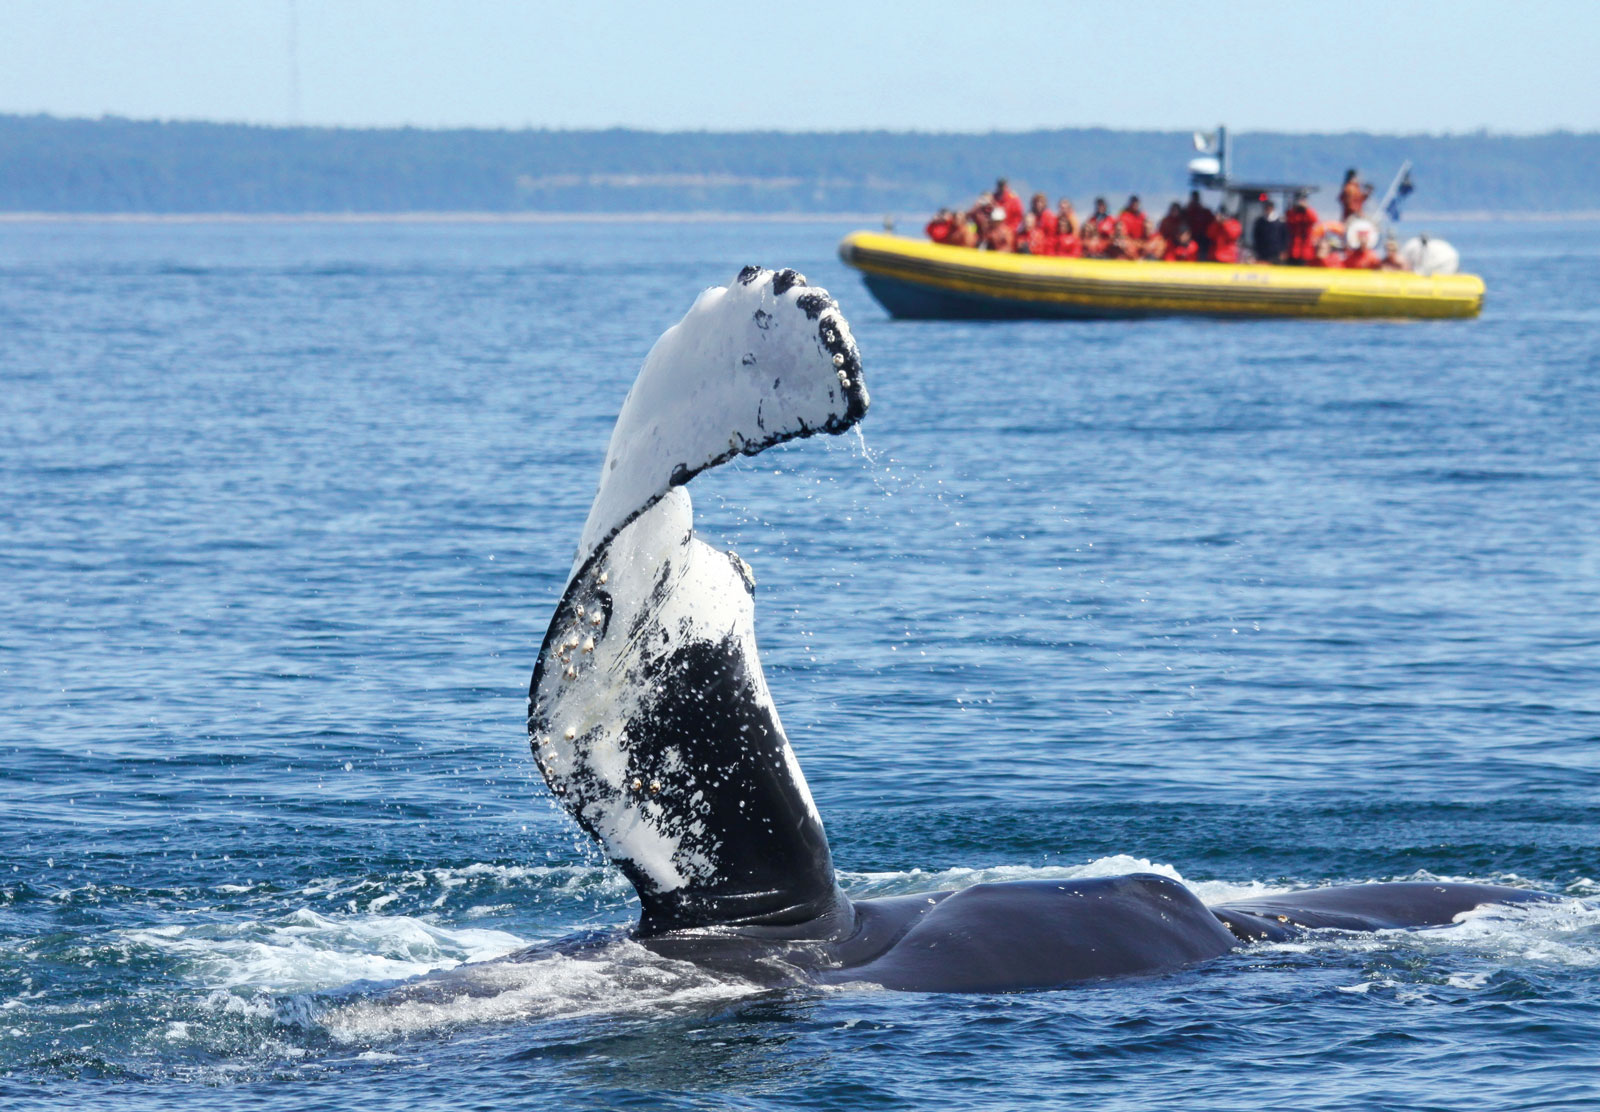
284	510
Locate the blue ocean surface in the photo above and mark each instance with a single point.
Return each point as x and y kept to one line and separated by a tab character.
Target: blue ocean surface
285	508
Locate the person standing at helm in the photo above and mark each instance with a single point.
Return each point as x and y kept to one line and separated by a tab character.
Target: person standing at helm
1302	221
1269	238
1008	200
1352	196
1198	218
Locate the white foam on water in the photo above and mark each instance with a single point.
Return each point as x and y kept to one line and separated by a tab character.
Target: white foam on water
308	952
1465	956
621	978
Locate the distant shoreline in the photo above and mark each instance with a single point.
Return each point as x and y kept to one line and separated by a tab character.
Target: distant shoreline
440	218
874	219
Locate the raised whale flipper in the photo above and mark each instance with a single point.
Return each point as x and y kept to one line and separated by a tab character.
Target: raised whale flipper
648	712
752	364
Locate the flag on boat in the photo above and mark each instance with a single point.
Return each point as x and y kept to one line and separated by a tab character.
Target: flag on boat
1400	193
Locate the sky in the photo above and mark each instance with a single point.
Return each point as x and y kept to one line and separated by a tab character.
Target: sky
812	65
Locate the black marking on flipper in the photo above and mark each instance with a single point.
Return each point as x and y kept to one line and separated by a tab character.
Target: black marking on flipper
813	303
786	279
763	319
750	273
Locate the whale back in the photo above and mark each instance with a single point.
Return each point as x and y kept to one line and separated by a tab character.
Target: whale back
649	714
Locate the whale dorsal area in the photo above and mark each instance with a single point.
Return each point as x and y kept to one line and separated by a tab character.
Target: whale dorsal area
760	361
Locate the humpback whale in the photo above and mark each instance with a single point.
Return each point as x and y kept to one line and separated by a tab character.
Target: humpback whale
653	725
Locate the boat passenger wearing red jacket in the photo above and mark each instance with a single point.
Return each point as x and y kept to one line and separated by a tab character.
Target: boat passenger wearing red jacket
1123	246
1043	218
1067	219
1302	222
1006	199
999	236
1362	258
1183	249
1135	225
1068	245
1097	229
1224	234
942	228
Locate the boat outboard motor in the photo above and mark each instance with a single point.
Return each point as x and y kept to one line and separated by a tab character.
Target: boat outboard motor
1425	256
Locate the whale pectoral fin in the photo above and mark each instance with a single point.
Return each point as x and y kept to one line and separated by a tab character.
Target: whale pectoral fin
764	360
648	711
1044	934
652	723
1363	907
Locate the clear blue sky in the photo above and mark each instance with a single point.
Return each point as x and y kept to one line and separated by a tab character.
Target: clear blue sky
812	64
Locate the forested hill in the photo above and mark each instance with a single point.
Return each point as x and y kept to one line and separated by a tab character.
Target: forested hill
119	166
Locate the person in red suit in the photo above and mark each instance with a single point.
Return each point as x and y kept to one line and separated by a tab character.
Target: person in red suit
999	236
1008	200
1135	225
1224	235
1040	241
1067	219
1302	222
1361	258
1352	196
1183	249
942	228
1097	230
1043	218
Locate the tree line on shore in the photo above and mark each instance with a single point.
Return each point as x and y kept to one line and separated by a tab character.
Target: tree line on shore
114	165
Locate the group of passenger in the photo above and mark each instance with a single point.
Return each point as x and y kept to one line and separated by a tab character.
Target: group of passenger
1186	233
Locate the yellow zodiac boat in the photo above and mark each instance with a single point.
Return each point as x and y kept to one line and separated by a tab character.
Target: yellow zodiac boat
917	279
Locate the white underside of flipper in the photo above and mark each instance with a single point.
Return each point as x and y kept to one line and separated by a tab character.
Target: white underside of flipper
654	594
763	360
